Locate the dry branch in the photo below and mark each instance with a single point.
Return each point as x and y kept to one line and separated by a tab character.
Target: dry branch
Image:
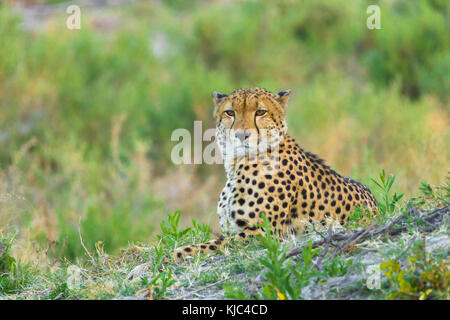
425	221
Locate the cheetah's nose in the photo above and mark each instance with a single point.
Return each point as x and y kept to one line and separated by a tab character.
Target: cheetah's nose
242	135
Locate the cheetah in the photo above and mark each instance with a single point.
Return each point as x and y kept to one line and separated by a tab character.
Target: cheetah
269	173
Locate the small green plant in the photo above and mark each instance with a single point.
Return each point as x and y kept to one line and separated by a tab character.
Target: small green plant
426	190
173	237
60	292
281	272
303	271
201	231
337	267
161	278
170	233
14	275
233	292
438	196
360	217
421	278
7	262
158	285
7	266
279	278
388	203
158	258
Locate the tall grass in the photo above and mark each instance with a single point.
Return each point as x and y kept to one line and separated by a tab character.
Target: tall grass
86	116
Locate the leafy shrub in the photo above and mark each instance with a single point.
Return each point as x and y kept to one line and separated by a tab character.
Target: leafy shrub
388	204
281	272
421	278
14	275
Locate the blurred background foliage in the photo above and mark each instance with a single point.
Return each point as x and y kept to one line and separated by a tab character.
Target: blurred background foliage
86	115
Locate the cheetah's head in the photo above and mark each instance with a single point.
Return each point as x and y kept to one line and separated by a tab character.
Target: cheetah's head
249	121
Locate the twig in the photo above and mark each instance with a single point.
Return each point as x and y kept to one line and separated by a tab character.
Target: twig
327	245
354	263
407	249
82	244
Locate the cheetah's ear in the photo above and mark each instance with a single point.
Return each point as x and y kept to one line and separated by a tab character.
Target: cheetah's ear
218	97
282	97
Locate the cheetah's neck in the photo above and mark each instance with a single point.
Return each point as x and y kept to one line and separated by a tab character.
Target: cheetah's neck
231	164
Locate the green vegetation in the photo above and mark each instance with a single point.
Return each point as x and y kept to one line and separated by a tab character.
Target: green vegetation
422	278
263	268
173	238
7	267
284	279
387	205
86	118
361	216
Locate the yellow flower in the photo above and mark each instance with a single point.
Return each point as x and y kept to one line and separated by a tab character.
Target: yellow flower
423	295
280	295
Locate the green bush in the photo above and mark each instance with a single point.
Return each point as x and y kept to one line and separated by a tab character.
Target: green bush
412	48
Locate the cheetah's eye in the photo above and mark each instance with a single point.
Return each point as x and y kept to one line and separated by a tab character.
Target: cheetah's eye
260	113
229	113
